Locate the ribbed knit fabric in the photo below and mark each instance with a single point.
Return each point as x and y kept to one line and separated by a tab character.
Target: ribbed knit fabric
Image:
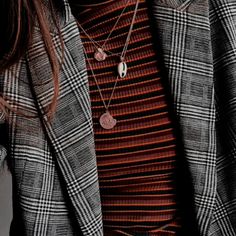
136	159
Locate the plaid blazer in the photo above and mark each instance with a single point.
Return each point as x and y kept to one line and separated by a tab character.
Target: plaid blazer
53	165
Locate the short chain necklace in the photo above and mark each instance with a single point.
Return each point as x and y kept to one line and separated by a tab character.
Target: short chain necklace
100	53
106	120
94	4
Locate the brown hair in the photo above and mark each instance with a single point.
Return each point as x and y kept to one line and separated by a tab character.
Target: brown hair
17	19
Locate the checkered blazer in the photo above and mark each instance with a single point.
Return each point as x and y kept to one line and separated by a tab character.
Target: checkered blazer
53	165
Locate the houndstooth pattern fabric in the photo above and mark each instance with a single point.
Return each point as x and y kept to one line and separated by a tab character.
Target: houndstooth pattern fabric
53	164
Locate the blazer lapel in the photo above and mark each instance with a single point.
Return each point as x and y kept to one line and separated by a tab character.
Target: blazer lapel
183	31
70	133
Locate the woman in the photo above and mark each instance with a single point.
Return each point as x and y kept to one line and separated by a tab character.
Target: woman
107	153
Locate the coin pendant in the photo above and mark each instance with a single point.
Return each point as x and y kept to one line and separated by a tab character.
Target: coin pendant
107	121
100	55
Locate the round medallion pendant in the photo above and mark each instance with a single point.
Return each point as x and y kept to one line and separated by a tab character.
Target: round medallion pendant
107	121
100	55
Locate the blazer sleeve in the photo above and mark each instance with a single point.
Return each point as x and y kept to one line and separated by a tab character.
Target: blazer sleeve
3	126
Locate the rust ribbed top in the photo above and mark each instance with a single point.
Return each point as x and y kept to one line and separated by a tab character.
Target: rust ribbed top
136	159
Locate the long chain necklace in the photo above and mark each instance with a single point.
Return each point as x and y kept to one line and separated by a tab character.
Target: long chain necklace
107	121
100	53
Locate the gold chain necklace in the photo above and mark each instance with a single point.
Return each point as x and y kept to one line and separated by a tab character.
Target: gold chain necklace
107	121
100	53
93	4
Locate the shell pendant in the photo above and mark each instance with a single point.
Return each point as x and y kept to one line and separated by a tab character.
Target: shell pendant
100	55
107	121
122	69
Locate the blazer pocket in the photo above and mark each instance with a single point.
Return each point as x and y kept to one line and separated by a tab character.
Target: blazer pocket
180	5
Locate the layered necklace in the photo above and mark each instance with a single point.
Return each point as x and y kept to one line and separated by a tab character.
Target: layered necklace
101	53
106	120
